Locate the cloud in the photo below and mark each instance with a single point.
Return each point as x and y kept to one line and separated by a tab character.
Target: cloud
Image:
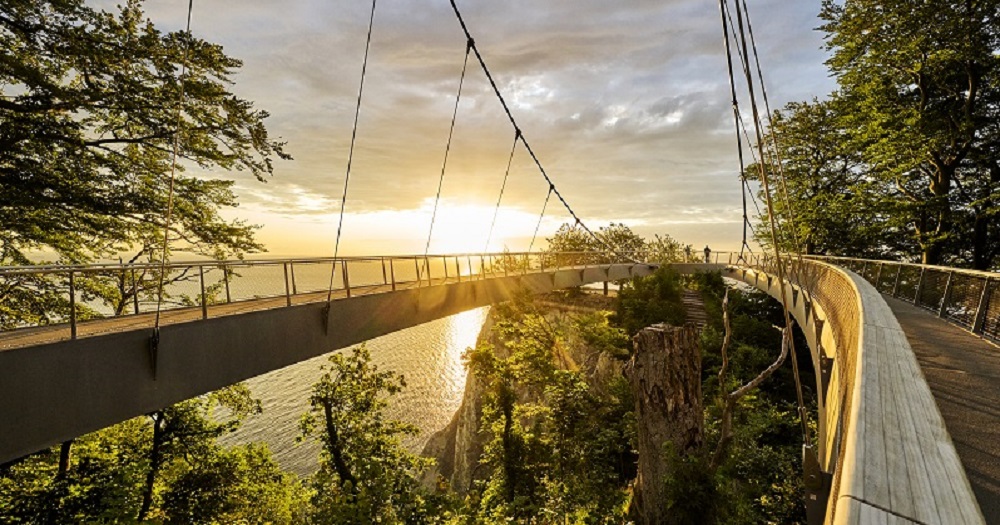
626	103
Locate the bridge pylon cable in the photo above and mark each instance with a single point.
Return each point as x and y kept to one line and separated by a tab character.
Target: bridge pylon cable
540	217
748	70
524	140
744	186
503	185
779	263
168	220
447	150
350	153
789	206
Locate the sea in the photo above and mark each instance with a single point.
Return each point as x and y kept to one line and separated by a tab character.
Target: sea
429	357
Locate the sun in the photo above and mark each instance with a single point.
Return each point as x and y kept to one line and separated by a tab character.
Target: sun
465	227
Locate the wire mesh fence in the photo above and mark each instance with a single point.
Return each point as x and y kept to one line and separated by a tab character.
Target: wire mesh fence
968	298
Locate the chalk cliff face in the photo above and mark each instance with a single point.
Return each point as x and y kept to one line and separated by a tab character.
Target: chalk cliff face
458	446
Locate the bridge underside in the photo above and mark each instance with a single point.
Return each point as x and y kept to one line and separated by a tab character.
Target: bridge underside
54	392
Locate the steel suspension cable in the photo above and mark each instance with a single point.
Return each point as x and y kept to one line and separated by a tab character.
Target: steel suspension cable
736	119
748	71
447	149
178	122
774	232
540	216
503	185
524	141
350	153
789	206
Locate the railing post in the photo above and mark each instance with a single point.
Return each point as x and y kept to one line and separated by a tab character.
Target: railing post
895	285
468	258
944	297
920	286
347	280
135	293
288	288
444	262
878	276
482	265
204	301
225	276
385	279
416	270
458	269
72	306
980	319
392	273
427	264
291	269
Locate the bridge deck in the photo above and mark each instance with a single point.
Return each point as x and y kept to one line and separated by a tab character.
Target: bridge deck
963	372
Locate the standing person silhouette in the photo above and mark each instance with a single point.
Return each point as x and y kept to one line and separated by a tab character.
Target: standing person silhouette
687	253
708	254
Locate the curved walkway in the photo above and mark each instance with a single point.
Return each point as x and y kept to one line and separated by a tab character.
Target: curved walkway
963	372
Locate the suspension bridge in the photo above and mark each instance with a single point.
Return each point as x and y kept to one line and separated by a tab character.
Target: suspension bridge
882	451
902	352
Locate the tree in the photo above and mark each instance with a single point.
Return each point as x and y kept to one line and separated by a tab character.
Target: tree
365	474
166	467
89	113
831	197
922	82
558	443
651	300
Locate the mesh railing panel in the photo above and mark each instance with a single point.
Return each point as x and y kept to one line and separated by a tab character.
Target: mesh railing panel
932	289
835	293
991	315
963	298
909	279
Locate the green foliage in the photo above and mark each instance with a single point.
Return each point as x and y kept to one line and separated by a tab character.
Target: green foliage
905	157
365	474
89	112
559	447
616	237
194	479
761	479
830	196
238	485
646	301
89	106
597	332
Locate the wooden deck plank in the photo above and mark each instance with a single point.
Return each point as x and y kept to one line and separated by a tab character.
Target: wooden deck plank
909	393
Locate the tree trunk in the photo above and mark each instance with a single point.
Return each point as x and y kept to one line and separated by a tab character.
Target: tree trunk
336	451
155	458
64	458
665	377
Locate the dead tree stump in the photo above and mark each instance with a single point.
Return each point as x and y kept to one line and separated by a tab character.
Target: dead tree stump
665	377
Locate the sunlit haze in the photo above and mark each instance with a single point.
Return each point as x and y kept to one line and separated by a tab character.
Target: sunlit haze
625	103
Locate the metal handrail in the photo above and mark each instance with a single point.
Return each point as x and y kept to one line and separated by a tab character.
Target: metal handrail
206	284
967	298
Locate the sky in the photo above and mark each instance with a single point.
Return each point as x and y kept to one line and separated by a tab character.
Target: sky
625	102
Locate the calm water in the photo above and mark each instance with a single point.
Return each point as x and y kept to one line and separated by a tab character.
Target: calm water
429	356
